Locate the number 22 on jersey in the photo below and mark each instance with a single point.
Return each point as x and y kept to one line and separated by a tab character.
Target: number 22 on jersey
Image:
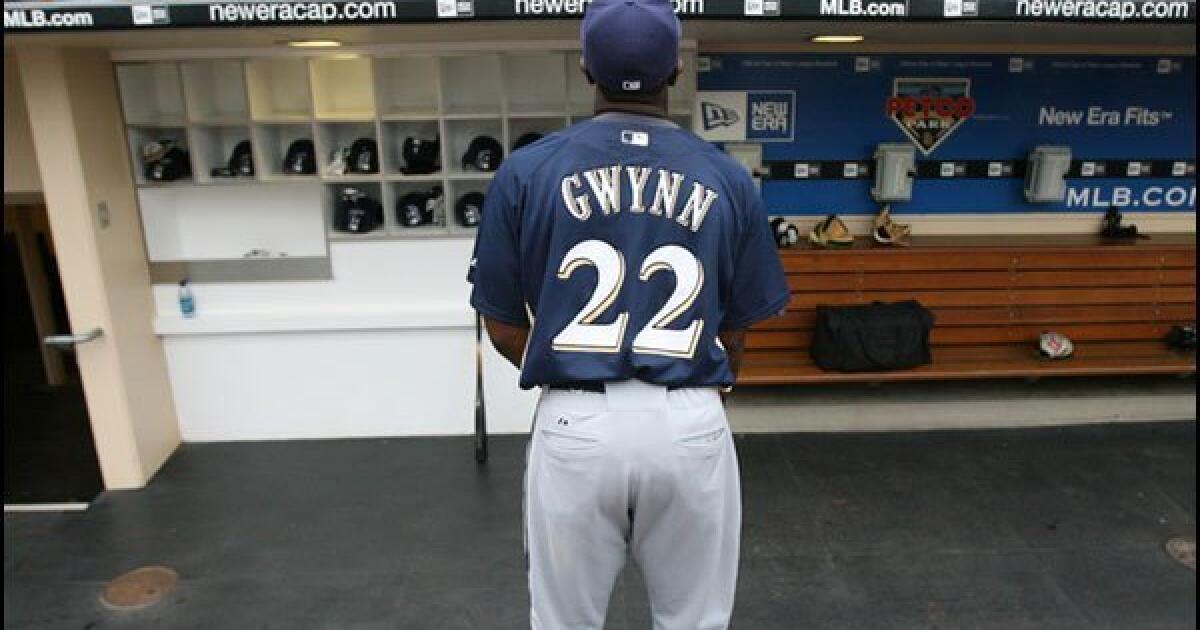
582	334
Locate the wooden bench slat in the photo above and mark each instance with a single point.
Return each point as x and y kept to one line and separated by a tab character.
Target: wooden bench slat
988	352
976	335
805	319
983	297
830	261
1014	363
841	282
1025	242
1177	313
839	261
1099	258
1014	369
810	260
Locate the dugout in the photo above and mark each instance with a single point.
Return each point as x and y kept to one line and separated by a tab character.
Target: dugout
303	330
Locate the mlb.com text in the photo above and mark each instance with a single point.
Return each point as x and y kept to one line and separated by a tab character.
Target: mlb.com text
1152	197
37	18
864	8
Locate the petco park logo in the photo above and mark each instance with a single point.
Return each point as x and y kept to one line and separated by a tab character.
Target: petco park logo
929	110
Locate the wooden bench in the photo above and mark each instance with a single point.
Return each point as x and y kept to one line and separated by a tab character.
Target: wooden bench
992	297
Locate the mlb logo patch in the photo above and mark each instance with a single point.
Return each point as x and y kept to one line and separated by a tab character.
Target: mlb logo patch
635	138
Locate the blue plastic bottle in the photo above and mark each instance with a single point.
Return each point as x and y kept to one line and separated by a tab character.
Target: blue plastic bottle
187	301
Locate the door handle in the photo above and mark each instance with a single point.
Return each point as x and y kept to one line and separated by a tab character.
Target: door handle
67	341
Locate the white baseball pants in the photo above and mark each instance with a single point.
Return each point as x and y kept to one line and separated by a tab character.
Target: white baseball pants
637	470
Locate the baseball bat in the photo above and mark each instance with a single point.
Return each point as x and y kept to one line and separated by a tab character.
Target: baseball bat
481	450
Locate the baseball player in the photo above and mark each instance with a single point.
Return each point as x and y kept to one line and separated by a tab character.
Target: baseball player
617	265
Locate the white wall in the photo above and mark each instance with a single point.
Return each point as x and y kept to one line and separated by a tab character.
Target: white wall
20	164
385	348
322	385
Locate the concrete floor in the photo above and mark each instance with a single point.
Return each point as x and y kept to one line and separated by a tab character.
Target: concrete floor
1032	528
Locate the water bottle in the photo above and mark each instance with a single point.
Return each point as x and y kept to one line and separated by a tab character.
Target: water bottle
187	301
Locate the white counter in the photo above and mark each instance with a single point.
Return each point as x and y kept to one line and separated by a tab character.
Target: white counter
387	348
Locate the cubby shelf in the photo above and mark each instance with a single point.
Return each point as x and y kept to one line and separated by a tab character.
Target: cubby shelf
281	178
472	113
423	231
151	122
352	179
226	181
346	117
342	237
179	183
210	105
537	113
410	115
218	121
283	118
400	177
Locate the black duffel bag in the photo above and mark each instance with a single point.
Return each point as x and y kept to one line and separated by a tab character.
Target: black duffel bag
872	337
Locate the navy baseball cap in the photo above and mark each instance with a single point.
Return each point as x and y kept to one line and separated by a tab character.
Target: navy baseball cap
630	45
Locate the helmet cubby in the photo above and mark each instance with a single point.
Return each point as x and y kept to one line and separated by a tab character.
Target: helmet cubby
296	107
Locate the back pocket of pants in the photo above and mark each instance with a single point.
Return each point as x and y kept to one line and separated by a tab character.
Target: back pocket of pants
566	444
703	443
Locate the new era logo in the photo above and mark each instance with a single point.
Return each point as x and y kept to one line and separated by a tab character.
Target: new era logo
631	86
718	116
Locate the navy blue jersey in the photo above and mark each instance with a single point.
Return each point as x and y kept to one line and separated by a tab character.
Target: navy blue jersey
627	244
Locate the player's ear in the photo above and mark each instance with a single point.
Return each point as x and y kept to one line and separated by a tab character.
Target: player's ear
583	69
675	75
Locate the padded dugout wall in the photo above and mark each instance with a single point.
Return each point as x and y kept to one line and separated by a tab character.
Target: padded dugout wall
1132	118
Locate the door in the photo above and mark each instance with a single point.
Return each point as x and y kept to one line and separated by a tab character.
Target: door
49	454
